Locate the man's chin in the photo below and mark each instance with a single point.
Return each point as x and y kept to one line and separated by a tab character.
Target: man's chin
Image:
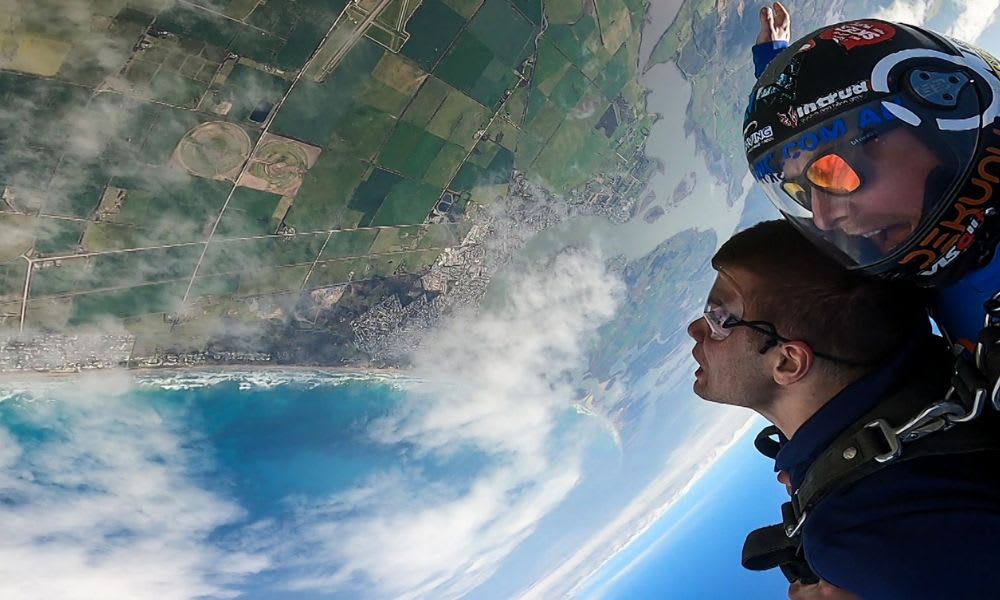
701	390
699	387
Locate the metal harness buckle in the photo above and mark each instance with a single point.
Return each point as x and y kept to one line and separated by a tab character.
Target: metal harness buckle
891	439
936	417
793	530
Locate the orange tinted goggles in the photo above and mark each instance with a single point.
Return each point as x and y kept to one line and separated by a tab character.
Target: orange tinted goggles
830	173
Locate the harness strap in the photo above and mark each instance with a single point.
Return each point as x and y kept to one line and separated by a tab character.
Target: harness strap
780	545
765	442
861	453
969	384
872	443
989	337
876	440
988	360
769	547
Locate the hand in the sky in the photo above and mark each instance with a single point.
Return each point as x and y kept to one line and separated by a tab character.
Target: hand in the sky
775	24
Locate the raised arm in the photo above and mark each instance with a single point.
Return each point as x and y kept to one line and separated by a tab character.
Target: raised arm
775	33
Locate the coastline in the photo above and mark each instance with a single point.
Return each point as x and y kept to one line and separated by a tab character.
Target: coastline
387	371
219	372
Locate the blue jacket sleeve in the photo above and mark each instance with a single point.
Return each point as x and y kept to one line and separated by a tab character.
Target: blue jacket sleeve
764	53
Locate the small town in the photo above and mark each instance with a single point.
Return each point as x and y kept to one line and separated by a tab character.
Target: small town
388	332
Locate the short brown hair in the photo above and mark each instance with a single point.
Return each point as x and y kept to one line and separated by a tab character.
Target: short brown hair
808	296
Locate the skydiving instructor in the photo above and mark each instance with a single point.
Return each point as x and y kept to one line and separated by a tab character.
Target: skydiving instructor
880	142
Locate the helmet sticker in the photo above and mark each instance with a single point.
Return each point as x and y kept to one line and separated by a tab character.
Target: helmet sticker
902	113
811	140
782	91
754	137
859	33
789	119
955	232
830	101
990	60
987	58
770	95
768	168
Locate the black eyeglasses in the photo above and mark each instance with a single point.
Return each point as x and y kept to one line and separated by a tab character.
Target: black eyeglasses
721	323
774	338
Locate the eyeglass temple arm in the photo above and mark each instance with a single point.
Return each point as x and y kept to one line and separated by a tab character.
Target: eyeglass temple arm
769	330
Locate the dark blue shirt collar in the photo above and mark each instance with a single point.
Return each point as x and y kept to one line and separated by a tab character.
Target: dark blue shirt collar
849	405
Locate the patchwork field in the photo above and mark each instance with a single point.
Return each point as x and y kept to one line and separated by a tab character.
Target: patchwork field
263	148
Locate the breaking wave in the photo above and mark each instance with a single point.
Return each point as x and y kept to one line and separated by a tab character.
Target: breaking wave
37	387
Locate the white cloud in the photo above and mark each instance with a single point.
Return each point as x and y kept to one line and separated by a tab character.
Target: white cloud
682	469
99	502
914	12
497	380
971	17
974	16
496	384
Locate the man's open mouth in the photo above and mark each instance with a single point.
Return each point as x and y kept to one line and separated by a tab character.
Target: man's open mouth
888	237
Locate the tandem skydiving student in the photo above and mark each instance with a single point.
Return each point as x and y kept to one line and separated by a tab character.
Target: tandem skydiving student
838	364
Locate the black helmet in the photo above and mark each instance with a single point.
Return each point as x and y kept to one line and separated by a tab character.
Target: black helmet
881	142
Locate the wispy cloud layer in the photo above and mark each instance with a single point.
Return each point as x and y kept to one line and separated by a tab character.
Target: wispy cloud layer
974	16
915	12
971	17
496	390
100	500
682	469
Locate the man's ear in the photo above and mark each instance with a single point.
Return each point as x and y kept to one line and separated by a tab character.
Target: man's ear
795	359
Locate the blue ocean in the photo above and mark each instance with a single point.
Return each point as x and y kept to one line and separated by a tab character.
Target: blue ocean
258	442
275	485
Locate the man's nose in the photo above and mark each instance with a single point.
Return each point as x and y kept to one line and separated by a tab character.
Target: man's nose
697	329
828	211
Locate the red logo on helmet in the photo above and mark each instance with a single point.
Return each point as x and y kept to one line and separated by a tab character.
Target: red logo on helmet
859	33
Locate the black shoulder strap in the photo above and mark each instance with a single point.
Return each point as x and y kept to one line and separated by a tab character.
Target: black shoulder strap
869	445
988	347
874	446
770	547
877	440
852	457
765	442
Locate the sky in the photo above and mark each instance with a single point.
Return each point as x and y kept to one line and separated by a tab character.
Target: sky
964	19
693	551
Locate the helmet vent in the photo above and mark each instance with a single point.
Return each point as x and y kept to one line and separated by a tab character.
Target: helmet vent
936	88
